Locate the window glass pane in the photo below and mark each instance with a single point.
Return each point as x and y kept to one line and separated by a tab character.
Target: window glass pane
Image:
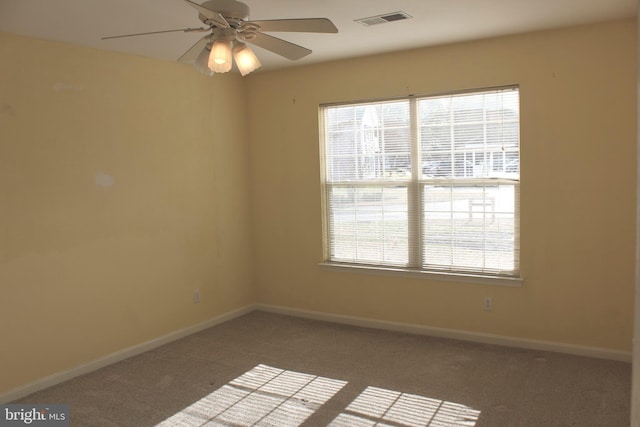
468	108
436	139
472	228
502	105
369	142
369	225
435	111
469	135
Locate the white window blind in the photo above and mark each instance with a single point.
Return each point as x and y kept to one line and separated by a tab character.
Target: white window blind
429	183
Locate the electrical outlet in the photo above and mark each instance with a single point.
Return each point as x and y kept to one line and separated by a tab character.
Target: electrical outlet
196	296
488	304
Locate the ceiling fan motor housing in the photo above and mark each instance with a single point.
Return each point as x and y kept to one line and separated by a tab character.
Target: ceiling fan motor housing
232	10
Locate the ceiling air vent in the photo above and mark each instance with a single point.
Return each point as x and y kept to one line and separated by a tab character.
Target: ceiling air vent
383	19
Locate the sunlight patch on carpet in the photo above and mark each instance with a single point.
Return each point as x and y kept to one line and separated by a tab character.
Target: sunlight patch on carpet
380	407
262	396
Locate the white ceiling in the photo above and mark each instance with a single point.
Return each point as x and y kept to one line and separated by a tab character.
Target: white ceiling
84	22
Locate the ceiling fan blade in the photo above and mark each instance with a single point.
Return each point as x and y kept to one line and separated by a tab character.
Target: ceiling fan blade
279	46
306	25
214	16
184	30
192	54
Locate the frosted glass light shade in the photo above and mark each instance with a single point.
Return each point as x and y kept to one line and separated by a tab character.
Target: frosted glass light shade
246	60
220	57
202	63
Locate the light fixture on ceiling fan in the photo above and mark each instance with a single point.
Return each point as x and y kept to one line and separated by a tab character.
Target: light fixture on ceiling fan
216	55
229	29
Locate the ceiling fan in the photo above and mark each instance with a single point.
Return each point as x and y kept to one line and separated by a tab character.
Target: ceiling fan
228	28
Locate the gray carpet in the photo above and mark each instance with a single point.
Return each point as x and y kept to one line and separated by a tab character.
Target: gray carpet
274	370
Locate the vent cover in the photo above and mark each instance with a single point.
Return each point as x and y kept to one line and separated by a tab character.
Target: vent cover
383	19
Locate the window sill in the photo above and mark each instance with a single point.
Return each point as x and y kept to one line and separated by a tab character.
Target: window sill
428	275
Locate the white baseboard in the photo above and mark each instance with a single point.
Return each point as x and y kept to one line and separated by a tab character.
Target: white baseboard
60	377
600	353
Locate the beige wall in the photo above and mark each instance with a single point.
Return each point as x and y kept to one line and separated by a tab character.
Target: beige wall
123	187
578	185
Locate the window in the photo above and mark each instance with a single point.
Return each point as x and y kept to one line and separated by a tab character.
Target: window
428	184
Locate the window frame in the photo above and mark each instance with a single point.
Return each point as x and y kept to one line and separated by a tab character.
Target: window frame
415	186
